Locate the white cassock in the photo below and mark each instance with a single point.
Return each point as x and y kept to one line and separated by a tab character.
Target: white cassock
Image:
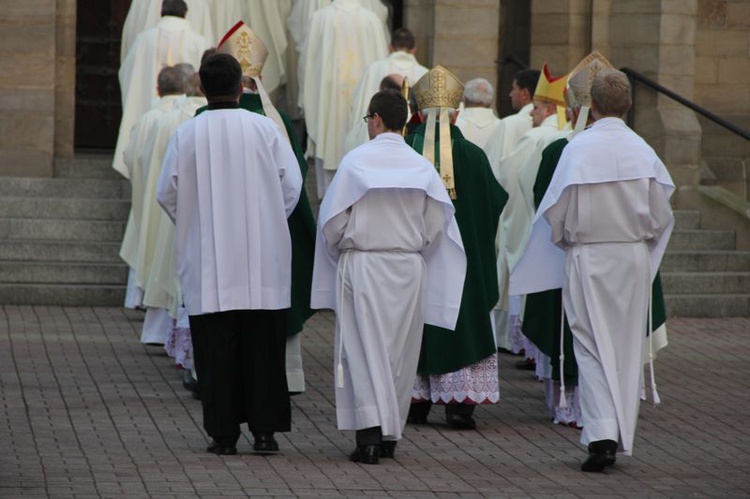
344	39
229	257
267	18
141	139
170	42
388	258
479	125
607	210
512	229
145	14
507	135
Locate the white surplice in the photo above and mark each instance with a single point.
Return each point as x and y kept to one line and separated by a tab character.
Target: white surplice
344	38
230	180
479	125
513	226
507	134
145	14
170	42
388	258
267	18
607	209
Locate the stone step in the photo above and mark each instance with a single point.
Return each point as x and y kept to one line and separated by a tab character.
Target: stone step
57	229
705	261
64	188
687	219
60	251
89	165
64	208
686	283
702	240
725	305
63	272
80	295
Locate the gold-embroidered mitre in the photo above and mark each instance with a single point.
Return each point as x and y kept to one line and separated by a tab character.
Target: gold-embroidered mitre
242	43
438	88
549	89
580	79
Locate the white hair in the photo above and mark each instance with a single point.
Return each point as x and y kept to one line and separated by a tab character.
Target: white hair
478	92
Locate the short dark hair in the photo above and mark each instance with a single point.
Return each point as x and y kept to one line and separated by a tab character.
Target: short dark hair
208	53
390	105
388	83
221	76
177	8
527	79
171	81
403	39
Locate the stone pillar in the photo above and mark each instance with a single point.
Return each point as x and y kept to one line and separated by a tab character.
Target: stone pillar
37	84
561	33
461	36
657	38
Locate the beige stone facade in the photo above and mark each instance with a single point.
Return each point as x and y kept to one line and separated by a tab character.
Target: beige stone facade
698	48
37	85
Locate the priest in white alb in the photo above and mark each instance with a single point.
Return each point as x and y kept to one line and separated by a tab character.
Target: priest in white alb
389	258
607	212
477	120
170	42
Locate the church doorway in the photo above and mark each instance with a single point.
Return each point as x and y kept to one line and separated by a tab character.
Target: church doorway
515	49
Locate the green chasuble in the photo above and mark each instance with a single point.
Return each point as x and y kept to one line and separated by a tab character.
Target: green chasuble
301	227
480	199
541	318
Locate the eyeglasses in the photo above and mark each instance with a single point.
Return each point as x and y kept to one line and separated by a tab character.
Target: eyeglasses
369	116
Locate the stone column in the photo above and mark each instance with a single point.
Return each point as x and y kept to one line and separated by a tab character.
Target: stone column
657	38
65	79
461	36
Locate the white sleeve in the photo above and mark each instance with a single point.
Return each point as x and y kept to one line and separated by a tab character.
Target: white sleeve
289	173
557	215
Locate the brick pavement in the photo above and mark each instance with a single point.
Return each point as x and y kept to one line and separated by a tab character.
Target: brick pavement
87	411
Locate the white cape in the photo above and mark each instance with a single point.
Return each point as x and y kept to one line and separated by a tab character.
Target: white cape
542	265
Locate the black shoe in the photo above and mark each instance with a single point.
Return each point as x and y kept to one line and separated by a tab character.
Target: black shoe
388	449
526	365
418	412
188	382
601	454
265	443
221	449
366	454
461	421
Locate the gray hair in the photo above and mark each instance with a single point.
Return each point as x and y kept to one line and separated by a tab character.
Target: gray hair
171	81
478	92
611	92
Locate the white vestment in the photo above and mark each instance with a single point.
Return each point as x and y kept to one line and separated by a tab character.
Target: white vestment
479	125
507	135
388	258
229	181
267	18
170	42
514	225
607	207
344	38
141	140
145	14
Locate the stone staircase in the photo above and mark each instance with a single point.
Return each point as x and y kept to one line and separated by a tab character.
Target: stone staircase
703	274
60	237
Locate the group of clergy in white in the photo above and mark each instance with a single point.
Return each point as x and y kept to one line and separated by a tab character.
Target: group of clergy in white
348	248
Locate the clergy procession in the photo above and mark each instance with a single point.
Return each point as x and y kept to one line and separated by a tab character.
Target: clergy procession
446	236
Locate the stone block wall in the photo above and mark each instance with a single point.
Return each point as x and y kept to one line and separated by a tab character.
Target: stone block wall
461	35
37	66
722	85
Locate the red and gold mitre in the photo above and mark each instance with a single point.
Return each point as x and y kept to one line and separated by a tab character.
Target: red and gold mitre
242	43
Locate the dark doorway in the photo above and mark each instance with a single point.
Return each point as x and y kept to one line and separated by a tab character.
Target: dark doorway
515	49
98	108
